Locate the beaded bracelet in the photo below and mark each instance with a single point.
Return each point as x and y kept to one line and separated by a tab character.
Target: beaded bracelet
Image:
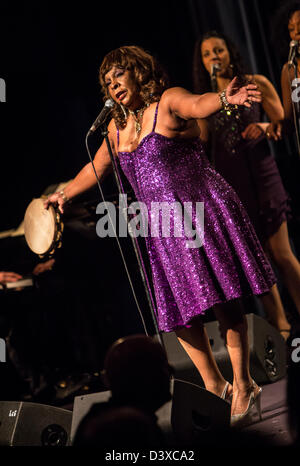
224	102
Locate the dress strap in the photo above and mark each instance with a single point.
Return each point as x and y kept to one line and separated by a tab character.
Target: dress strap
118	136
155	117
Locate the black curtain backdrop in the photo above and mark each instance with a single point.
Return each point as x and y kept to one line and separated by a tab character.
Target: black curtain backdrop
50	55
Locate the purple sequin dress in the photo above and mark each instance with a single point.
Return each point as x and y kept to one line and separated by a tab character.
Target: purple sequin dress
230	264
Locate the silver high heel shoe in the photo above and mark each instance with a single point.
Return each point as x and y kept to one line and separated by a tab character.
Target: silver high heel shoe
254	401
225	396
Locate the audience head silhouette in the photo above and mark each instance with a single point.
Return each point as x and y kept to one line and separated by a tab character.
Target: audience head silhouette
138	373
117	426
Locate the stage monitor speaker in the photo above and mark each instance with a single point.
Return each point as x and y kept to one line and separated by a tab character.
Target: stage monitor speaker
191	411
196	411
267	353
82	405
33	424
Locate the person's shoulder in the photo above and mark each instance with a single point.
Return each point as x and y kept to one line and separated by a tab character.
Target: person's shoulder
286	69
261	79
112	130
287	72
264	85
173	92
112	126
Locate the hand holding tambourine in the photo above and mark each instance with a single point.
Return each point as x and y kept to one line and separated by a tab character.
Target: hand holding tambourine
43	228
58	199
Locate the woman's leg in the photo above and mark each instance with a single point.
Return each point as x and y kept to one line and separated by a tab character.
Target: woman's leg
275	312
280	250
234	328
195	341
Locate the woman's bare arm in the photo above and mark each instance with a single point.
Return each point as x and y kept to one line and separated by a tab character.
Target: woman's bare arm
285	123
187	106
286	77
271	102
86	178
272	106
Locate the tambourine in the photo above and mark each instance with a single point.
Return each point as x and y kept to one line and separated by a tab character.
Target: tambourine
43	228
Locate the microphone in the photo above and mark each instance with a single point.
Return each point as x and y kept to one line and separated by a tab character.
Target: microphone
108	106
213	76
292	53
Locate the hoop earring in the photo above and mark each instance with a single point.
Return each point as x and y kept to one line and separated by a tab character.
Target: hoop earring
124	111
230	69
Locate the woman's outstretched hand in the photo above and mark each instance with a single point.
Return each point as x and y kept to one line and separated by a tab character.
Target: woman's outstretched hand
245	95
56	200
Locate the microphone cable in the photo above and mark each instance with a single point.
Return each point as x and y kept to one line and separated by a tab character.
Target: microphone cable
296	120
120	247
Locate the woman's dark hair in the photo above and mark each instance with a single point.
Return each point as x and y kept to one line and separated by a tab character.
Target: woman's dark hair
151	79
279	27
201	78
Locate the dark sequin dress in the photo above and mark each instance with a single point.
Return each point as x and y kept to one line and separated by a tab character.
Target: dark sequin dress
230	264
250	168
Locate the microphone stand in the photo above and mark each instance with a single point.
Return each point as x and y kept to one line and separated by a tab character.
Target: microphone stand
213	82
104	133
295	110
214	88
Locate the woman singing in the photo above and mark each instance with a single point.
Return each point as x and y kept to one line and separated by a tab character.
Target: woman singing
155	136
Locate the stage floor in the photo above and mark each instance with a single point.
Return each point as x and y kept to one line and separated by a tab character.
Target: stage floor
274	424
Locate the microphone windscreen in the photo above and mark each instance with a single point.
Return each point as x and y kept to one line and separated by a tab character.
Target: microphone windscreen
109	103
214	68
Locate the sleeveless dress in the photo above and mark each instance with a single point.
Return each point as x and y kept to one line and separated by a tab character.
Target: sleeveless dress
250	168
230	264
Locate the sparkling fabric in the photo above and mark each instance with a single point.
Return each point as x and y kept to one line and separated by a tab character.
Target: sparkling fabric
229	265
250	168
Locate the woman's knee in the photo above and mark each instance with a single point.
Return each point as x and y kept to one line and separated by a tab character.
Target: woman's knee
283	257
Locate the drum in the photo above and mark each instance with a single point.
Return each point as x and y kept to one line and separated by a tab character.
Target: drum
43	228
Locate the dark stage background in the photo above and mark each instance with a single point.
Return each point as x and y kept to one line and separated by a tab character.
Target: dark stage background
50	55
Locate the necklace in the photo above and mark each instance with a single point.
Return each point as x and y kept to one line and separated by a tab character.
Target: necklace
138	116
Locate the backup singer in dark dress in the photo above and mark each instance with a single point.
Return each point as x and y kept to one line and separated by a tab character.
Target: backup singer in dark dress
155	136
241	154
